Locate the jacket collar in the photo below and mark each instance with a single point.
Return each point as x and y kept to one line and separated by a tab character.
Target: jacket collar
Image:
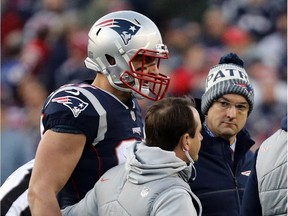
211	143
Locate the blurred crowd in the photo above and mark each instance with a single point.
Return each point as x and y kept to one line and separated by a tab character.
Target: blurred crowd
43	45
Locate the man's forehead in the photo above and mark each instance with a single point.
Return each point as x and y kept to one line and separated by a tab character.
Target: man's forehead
234	97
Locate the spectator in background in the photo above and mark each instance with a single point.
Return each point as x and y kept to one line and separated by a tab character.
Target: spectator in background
189	77
36	52
45	39
238	41
276	43
178	40
32	94
17	146
266	188
20	125
49	16
255	17
270	101
12	71
213	26
154	177
11	20
224	158
73	70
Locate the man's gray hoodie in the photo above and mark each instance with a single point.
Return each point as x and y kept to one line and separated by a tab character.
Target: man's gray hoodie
151	182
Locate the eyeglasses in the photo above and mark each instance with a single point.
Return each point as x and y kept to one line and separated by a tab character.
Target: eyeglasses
225	105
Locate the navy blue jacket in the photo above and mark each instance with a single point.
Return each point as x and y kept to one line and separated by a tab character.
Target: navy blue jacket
220	182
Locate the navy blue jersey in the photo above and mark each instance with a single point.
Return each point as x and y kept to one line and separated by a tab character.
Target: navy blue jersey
108	124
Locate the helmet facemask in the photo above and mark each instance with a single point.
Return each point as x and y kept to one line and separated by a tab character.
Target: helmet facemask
143	84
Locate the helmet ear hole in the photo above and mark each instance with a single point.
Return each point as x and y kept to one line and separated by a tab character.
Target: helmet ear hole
110	59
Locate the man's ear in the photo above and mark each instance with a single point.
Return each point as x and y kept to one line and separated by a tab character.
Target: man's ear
185	142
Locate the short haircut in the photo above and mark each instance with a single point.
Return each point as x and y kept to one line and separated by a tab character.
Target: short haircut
167	120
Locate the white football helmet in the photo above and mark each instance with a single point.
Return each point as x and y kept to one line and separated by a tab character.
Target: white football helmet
122	36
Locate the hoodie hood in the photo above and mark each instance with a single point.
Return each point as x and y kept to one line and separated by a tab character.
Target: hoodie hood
145	164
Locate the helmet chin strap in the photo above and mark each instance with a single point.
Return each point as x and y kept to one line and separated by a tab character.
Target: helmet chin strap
191	163
144	90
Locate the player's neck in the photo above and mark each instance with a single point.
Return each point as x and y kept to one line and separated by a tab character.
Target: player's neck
102	82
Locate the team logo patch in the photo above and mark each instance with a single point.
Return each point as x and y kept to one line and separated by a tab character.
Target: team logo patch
124	28
136	130
246	173
75	104
145	191
244	85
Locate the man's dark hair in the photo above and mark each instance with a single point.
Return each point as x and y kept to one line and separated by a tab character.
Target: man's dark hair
167	120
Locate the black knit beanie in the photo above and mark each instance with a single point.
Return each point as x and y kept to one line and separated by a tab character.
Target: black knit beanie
228	77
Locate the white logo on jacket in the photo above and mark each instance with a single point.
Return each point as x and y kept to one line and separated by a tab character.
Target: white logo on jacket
246	173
